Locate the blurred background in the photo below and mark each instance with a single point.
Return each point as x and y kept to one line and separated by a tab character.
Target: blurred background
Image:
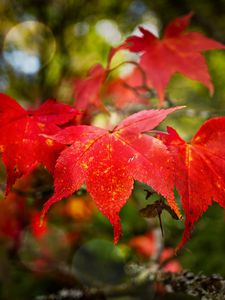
45	46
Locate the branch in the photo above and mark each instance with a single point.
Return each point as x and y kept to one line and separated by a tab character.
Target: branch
205	287
143	74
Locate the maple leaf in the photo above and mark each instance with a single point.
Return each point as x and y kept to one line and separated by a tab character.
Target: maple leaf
88	90
21	145
199	169
177	51
109	161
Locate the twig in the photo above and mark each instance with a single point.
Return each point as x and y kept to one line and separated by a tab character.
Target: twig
143	74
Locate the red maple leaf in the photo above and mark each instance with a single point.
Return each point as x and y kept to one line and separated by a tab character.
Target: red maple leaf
176	51
109	161
199	169
21	145
88	90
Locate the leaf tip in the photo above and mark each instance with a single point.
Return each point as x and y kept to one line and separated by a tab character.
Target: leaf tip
116	229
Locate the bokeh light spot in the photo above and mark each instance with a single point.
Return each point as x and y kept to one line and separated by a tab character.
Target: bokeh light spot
28	47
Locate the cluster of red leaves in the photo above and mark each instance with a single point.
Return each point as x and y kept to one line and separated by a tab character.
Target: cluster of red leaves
108	162
160	58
